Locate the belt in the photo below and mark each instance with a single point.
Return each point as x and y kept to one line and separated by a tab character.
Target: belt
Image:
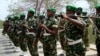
28	33
71	42
46	34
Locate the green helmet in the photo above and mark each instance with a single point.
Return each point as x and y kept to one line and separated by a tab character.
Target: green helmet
9	17
16	17
31	10
41	16
97	6
22	14
51	10
71	7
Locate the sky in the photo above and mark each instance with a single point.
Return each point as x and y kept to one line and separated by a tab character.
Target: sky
4	6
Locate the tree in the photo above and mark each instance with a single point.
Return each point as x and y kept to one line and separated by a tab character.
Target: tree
23	5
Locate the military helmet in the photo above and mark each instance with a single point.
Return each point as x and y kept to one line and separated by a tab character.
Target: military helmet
9	17
51	10
16	17
31	10
41	16
97	6
22	14
71	7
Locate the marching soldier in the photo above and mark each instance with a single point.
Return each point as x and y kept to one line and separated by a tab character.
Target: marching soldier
39	30
86	20
14	31
86	33
79	11
74	33
22	35
61	33
97	27
6	25
31	35
50	28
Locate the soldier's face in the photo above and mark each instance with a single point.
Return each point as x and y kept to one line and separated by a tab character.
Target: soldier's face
69	12
79	11
49	14
29	14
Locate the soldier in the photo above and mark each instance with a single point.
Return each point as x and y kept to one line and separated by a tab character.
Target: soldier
6	25
97	26
39	30
9	33
86	20
85	38
50	28
14	32
74	33
22	35
32	24
61	33
79	11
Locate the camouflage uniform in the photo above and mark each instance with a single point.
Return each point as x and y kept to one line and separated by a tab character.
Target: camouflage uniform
9	31
22	34
97	26
14	30
86	33
97	23
31	37
62	33
49	41
74	35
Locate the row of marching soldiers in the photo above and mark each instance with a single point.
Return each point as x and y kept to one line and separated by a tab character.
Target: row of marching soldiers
71	29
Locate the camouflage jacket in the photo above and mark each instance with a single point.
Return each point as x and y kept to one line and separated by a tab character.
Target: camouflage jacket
73	32
51	22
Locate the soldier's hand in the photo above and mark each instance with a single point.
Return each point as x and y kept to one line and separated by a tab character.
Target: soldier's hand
23	25
64	16
42	25
31	30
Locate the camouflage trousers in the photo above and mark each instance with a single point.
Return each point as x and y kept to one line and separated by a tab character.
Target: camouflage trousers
62	40
85	39
75	50
23	42
98	44
14	38
49	46
32	49
9	35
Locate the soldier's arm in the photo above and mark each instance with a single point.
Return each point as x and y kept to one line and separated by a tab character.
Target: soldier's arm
75	22
52	32
54	28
